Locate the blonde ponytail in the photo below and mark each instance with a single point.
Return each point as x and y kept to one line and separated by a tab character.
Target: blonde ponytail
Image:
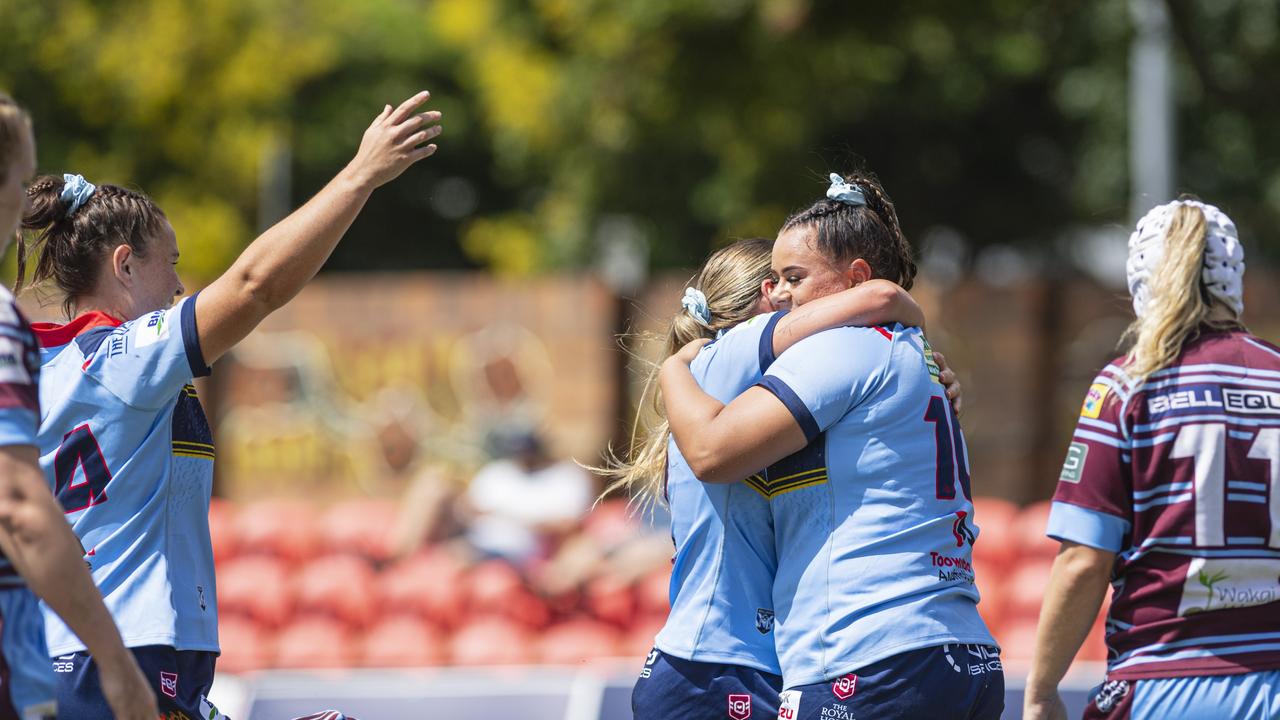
731	280
1179	303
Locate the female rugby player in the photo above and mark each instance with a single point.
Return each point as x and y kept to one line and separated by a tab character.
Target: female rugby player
124	440
874	593
1171	493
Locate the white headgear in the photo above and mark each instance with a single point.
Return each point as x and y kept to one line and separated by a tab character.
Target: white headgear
1223	273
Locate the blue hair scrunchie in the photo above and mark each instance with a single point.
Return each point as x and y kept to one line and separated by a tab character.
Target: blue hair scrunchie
842	191
77	191
696	303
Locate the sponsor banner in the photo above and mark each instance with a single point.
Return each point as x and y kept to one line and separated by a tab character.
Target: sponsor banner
1225	583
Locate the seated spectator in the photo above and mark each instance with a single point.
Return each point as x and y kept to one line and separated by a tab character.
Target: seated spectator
525	502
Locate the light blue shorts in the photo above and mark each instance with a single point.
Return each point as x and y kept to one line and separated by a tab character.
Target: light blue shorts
28	683
1249	696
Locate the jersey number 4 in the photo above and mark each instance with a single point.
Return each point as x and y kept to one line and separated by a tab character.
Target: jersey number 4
80	471
952	464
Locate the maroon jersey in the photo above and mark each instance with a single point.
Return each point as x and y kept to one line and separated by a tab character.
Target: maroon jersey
1180	476
19	398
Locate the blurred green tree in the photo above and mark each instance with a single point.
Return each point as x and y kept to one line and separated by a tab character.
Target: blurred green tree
698	120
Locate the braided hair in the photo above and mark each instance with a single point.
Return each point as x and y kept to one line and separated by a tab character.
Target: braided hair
845	232
71	247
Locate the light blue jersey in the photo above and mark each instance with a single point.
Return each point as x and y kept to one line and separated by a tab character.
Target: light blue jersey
127	449
721	585
873	519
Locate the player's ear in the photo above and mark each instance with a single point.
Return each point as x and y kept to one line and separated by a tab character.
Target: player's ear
122	264
858	272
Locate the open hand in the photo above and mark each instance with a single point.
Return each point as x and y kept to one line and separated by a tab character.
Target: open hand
690	351
394	141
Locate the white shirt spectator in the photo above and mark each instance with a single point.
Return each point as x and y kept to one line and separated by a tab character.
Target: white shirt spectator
517	508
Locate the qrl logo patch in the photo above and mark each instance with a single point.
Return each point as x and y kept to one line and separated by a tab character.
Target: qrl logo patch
169	683
764	620
739	707
1093	400
845	687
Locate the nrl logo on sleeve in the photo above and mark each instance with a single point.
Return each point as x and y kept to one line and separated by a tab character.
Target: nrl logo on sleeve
1073	468
1093	400
764	620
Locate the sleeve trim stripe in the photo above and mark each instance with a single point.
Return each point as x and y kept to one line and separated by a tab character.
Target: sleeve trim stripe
191	339
1098	437
1100	425
766	342
1095	528
798	409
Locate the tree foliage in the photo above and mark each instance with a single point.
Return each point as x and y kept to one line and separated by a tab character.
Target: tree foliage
696	120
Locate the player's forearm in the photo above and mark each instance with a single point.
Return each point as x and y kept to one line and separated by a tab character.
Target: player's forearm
873	302
1077	586
38	541
691	414
276	266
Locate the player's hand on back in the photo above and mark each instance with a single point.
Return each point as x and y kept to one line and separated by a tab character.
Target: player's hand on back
126	689
395	140
950	381
690	351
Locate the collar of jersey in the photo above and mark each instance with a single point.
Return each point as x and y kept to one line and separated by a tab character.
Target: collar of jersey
55	335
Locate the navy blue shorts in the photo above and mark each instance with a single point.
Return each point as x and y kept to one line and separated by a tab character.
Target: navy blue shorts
949	682
181	680
671	687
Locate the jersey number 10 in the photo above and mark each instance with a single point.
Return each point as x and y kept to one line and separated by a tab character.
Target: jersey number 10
80	452
952	465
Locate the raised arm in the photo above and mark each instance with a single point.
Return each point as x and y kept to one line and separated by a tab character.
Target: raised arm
873	302
276	266
38	541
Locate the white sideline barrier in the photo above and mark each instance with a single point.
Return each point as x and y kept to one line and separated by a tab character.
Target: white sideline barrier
596	691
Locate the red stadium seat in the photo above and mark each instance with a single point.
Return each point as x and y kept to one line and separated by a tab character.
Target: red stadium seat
577	641
246	646
256	587
997	547
639	638
283	528
1017	640
314	642
340	586
610	600
492	641
222	531
430	584
1024	589
610	523
490	584
402	641
653	592
1029	528
359	527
